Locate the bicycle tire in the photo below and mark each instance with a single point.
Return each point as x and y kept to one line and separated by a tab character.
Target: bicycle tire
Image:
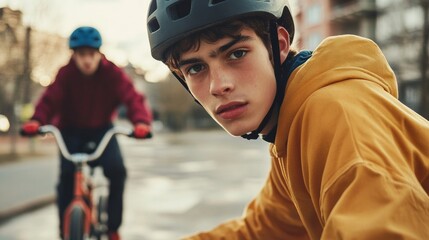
77	224
102	217
102	210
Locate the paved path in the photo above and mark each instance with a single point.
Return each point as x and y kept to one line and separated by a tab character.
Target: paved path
26	185
177	184
29	181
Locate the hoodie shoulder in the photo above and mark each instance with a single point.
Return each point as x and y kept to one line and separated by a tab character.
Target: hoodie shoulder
66	71
346	38
338	59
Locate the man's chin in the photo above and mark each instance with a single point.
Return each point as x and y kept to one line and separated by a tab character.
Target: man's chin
237	128
88	72
237	132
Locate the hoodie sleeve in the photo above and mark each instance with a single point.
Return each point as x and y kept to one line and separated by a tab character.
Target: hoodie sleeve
50	102
138	109
373	205
271	215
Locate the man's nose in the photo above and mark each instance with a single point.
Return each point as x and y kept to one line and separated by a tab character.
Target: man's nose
221	82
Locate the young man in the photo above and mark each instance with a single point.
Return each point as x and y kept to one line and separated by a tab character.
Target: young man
349	161
83	101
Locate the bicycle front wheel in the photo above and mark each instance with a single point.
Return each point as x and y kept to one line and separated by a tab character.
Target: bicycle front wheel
102	210
101	226
77	224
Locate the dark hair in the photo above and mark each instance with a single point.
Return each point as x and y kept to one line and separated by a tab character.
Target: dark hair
229	29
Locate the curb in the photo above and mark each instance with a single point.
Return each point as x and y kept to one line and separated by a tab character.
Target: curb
6	215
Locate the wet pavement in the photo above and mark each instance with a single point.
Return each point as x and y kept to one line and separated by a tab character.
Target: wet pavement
177	184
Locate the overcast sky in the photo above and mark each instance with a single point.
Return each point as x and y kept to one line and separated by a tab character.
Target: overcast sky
122	24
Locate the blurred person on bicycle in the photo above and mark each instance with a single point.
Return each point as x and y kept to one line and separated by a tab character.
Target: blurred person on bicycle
349	160
83	101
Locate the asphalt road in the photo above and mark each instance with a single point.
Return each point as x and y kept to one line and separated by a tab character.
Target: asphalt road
177	184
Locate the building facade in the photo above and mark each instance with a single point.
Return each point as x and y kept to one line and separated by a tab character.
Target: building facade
395	25
318	19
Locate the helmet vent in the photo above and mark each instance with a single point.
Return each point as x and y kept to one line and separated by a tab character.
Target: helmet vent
214	2
180	9
152	7
153	25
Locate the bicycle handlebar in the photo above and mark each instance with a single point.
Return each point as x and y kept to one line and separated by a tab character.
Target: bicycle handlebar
85	157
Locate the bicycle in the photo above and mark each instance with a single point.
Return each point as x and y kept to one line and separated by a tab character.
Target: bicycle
82	218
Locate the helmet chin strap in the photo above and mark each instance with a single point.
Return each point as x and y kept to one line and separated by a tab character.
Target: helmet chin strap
255	134
279	84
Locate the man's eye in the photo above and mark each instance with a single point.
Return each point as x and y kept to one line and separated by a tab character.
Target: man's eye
238	54
195	69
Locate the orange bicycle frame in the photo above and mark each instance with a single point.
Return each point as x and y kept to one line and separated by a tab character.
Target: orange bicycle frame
80	193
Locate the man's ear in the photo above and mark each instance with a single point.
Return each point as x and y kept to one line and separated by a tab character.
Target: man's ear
284	43
73	54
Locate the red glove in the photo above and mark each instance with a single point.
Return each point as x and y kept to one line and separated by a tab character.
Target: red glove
30	128
141	130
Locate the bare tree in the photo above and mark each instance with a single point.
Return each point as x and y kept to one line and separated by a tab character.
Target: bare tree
11	67
23	49
18	92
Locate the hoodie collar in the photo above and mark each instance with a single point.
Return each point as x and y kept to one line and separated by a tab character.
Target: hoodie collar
287	68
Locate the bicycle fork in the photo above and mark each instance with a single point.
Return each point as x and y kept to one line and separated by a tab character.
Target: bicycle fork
78	204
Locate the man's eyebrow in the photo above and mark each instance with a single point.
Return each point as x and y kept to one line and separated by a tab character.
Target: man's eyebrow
188	61
231	43
221	49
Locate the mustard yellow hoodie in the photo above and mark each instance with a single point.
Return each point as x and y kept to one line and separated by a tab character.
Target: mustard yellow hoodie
349	160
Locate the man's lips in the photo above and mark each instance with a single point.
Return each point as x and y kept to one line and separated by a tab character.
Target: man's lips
231	110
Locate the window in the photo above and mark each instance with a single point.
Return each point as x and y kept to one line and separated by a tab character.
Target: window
314	14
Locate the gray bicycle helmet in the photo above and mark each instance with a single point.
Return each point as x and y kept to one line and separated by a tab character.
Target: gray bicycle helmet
170	21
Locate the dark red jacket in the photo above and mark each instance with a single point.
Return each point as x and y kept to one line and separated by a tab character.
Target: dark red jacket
78	101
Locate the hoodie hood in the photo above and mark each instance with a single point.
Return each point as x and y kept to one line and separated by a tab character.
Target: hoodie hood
336	59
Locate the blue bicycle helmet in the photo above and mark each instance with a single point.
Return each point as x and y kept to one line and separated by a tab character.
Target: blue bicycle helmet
85	37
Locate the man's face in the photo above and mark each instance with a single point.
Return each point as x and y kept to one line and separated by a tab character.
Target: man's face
87	60
233	79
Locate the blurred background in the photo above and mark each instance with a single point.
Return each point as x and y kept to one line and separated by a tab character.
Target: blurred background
33	45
